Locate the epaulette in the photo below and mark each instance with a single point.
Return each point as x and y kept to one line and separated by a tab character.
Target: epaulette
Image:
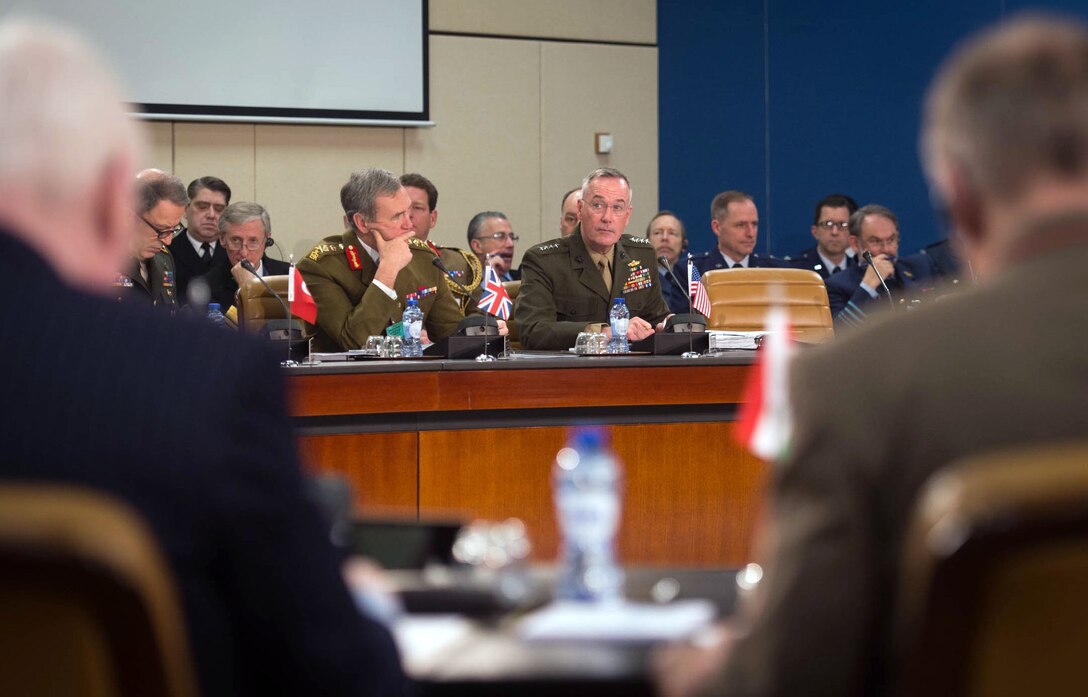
420	245
550	247
325	248
637	241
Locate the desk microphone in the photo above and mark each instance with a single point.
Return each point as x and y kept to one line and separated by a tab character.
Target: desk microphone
438	263
869	259
250	268
664	263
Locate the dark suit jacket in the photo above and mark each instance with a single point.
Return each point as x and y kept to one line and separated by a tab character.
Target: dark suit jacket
676	297
222	285
712	260
810	259
911	394
187	424
844	288
188	264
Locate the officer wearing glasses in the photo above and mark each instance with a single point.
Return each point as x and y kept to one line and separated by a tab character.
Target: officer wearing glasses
831	229
149	277
491	238
244	231
569	283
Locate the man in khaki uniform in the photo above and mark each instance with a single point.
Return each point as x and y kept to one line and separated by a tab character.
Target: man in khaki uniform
463	266
360	280
571	282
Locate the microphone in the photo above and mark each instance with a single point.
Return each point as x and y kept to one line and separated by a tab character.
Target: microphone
253	270
437	261
868	256
488	322
664	263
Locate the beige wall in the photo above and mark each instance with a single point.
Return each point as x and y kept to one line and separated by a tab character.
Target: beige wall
515	122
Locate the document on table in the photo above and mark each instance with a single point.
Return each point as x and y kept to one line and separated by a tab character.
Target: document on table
625	621
724	341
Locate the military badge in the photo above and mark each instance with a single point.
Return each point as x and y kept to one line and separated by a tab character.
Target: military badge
122	281
353	258
638	277
424	291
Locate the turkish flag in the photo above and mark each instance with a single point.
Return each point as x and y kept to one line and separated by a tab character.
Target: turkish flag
298	295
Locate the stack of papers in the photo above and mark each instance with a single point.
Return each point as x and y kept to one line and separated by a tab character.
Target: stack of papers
624	621
726	341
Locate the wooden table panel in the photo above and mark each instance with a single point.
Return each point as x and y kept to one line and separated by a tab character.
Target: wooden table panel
381	467
688	499
363	393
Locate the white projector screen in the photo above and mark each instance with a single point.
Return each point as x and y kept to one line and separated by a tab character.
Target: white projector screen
320	61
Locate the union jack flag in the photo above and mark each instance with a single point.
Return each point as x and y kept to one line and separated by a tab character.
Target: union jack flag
494	300
699	299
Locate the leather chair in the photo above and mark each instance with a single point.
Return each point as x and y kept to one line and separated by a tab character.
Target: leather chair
994	595
87	602
512	289
256	305
740	298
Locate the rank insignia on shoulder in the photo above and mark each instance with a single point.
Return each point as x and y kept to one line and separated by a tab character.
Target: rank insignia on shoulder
353	258
418	244
908	273
548	246
122	281
640	241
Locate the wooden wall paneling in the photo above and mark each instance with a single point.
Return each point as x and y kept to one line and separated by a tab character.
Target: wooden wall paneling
381	467
362	393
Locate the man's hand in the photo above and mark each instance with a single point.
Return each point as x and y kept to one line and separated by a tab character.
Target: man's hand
240	274
638	329
883	264
393	255
503	329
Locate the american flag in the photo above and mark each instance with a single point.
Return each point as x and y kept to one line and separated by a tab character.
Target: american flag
494	300
699	299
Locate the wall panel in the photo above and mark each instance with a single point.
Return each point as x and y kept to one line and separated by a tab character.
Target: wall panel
220	149
589	20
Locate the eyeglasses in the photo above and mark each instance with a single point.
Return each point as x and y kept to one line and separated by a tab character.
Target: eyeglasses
500	236
833	224
236	243
599	207
159	232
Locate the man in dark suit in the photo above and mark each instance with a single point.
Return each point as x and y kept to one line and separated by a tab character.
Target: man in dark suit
875	229
244	231
735	221
197	250
491	238
831	228
666	233
924	389
88	402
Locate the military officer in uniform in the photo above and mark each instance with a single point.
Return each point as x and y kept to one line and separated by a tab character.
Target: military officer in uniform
464	268
149	276
735	222
360	280
571	282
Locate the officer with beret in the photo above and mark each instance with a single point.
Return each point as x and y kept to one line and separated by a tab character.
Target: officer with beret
571	282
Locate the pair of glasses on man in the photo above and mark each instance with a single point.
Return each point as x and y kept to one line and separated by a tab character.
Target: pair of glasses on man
163	234
500	236
831	224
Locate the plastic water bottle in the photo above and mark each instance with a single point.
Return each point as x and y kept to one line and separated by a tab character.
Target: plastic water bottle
411	330
215	316
618	318
586	481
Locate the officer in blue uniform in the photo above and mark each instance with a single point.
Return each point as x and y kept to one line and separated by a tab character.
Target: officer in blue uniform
735	222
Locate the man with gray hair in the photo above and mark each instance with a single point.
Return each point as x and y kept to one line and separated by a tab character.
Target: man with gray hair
265	607
361	279
569	284
244	231
148	277
874	229
997	367
491	238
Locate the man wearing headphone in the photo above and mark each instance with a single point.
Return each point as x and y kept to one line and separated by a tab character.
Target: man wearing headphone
244	232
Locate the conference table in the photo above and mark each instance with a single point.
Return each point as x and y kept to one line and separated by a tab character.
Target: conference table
460	439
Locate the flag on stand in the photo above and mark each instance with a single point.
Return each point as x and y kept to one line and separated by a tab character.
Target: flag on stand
495	300
700	301
298	296
765	423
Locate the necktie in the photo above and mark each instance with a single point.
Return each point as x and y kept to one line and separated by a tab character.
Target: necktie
835	270
206	252
736	266
605	274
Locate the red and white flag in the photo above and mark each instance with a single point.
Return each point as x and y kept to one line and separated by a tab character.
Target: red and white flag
765	423
700	301
298	296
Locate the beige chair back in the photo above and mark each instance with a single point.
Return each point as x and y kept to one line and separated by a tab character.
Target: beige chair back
740	298
256	305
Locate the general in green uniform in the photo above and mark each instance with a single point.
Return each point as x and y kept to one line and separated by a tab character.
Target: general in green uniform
339	274
562	290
